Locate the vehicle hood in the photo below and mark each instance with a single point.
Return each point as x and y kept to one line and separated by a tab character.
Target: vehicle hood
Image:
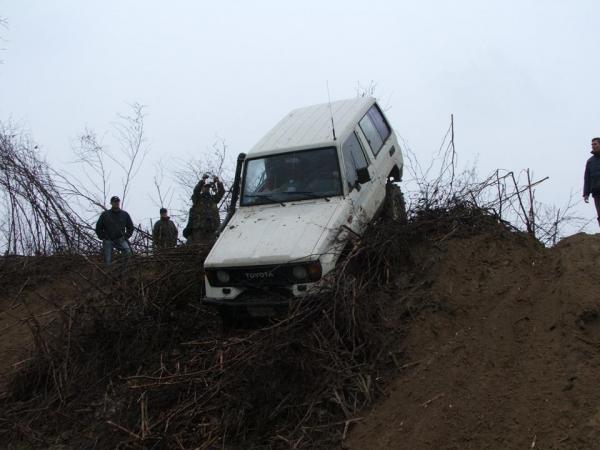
273	234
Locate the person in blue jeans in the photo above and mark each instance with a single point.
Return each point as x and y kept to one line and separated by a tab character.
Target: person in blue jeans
114	228
591	180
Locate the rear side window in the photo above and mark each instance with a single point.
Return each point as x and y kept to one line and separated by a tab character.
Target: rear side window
379	122
375	128
354	158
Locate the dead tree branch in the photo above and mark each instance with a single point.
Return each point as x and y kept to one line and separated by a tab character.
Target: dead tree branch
40	219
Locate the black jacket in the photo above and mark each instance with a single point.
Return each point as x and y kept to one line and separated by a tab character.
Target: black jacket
591	180
114	224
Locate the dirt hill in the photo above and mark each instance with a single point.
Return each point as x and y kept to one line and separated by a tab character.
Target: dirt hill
463	336
32	288
510	359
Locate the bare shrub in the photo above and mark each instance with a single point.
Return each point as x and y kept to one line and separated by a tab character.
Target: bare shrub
40	220
132	145
99	165
509	195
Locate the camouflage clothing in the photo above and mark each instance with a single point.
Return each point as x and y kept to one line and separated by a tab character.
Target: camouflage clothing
204	219
164	233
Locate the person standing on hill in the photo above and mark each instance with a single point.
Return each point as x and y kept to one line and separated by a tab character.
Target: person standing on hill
164	232
591	180
204	219
114	228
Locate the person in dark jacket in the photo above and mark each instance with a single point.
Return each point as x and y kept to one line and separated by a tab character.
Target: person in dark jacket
164	232
114	227
204	219
591	180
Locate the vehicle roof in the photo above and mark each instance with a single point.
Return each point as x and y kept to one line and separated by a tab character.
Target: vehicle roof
310	126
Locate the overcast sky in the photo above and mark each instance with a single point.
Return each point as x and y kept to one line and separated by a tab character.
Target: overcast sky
521	77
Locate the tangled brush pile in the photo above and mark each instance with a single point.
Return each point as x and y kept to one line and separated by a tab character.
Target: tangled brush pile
140	363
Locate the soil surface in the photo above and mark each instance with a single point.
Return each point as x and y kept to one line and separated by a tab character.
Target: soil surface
506	355
510	359
34	291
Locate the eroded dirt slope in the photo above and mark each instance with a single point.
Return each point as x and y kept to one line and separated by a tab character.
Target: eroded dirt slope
509	359
500	349
33	291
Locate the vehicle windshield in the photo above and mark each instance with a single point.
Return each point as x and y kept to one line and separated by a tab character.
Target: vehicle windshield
292	176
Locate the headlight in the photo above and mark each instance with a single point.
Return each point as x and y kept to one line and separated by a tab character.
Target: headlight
300	273
223	276
314	270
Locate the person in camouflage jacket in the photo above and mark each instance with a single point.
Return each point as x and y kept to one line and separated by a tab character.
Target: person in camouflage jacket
164	232
204	219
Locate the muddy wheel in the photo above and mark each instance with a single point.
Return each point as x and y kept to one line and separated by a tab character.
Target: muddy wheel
394	206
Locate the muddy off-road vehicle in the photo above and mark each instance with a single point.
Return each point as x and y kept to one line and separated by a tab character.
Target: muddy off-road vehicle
313	182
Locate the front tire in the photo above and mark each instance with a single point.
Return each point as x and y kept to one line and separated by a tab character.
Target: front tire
394	206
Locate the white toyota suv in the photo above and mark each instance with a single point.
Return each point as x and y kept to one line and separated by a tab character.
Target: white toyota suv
321	175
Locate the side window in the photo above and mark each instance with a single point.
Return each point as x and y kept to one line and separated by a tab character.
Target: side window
379	122
354	158
375	128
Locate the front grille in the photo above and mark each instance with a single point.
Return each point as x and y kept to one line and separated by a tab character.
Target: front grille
260	276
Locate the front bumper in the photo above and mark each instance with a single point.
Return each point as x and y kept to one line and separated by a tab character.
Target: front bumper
256	296
248	301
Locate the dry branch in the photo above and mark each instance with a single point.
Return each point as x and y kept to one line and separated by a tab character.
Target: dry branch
40	219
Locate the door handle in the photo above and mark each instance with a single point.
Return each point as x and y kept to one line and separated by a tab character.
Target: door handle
392	150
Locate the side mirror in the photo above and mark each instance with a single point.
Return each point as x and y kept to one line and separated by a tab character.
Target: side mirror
362	175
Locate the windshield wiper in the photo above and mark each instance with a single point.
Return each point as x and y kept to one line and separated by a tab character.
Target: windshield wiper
268	197
309	194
